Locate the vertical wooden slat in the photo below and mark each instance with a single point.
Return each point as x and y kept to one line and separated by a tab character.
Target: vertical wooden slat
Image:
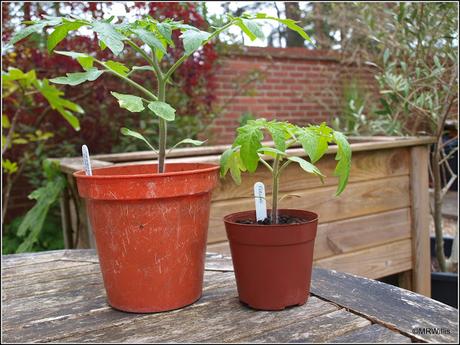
420	213
405	279
65	219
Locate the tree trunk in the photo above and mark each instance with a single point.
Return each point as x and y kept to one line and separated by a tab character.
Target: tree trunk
293	39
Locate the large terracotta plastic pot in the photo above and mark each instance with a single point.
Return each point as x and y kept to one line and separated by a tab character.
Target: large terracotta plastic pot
150	232
272	263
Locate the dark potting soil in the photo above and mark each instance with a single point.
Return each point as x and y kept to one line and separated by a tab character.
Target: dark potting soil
268	221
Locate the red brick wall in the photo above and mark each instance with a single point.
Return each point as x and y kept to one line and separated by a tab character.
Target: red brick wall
295	84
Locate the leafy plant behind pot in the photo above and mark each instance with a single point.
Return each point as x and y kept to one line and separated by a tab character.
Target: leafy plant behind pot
150	39
248	150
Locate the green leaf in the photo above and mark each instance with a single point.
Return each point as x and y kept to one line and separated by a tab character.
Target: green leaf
86	61
165	31
163	110
150	39
386	55
13	74
78	78
314	144
224	160
307	166
194	39
291	24
279	133
9	167
189	141
343	157
63	106
143	68
117	67
5	121
236	167
251	28
128	132
27	31
20	141
32	224
231	160
130	102
250	137
271	151
107	33
60	32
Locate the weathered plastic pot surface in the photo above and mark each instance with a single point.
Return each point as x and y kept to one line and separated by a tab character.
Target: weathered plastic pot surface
150	232
272	263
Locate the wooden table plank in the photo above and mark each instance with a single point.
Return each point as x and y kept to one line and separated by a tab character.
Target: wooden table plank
43	301
372	334
226	321
317	330
388	305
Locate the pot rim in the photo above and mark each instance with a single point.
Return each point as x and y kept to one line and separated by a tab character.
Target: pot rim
207	167
243	213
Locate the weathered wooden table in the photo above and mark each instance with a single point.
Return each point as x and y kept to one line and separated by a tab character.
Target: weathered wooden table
59	297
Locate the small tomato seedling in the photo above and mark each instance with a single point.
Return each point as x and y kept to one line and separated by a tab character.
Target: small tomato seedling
247	152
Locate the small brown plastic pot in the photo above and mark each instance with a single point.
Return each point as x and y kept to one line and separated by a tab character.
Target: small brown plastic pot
150	232
272	263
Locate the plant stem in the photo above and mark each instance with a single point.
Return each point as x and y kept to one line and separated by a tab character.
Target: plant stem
437	215
129	81
275	188
264	162
163	129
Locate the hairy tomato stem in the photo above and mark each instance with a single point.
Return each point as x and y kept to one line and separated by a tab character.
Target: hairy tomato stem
275	188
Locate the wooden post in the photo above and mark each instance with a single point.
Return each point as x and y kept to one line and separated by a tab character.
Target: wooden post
420	214
66	219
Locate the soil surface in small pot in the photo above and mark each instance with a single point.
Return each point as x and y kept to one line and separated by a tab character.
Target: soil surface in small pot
268	221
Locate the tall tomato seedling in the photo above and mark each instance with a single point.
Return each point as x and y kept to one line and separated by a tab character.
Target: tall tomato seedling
149	38
248	150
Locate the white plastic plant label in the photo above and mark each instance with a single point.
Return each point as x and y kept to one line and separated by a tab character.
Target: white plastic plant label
261	205
86	161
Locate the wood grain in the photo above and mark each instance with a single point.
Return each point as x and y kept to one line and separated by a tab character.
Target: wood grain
70	165
365	166
73	308
345	236
387	305
353	234
359	199
420	199
375	262
318	330
374	333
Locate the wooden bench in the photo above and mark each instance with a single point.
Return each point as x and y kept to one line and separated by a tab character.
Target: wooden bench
378	227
